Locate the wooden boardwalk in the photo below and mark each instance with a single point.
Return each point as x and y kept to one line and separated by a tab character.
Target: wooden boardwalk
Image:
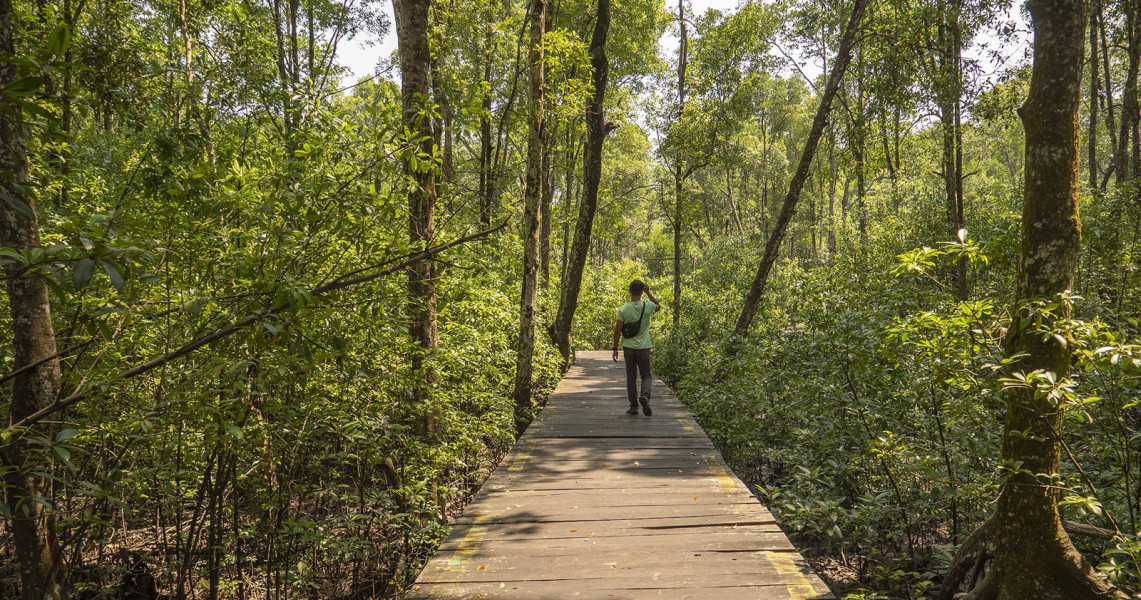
595	503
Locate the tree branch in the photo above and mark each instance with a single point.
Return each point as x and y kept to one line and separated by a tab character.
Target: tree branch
335	285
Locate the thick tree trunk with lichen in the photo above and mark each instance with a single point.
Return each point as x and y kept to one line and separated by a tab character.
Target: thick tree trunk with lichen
33	340
532	198
415	58
1033	556
596	130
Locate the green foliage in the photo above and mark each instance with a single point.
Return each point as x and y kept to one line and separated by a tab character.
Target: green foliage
196	165
288	454
865	406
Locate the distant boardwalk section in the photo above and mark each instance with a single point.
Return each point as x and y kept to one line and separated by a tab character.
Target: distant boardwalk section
595	503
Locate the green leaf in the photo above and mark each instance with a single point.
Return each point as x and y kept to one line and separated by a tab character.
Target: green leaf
65	435
59	39
84	269
12	257
19	205
24	86
113	273
35	110
63	455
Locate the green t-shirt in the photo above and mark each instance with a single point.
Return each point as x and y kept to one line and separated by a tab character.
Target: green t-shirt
628	313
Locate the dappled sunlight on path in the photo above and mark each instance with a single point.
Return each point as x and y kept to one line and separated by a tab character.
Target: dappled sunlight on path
595	503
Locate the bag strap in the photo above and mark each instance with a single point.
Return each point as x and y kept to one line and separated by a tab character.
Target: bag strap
641	314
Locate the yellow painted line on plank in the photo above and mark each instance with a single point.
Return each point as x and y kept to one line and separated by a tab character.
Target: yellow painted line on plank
798	586
469	544
727	480
521	456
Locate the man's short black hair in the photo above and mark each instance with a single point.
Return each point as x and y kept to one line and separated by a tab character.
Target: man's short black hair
637	287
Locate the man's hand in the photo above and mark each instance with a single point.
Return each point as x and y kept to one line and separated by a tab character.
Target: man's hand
617	338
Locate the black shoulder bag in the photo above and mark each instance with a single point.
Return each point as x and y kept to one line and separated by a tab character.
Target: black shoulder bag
630	330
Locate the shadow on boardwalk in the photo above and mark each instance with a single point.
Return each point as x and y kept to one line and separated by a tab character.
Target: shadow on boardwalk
595	503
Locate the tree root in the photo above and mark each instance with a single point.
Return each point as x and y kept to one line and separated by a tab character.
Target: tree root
980	548
986	590
969	560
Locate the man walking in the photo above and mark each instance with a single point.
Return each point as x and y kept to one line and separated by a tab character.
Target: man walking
633	329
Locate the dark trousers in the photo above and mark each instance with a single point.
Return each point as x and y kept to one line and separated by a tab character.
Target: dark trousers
638	360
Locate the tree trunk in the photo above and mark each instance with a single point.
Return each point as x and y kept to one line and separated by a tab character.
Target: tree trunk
66	109
788	209
485	178
596	130
545	210
283	72
736	214
1094	82
412	43
569	202
532	199
678	190
682	63
1129	101
438	68
1110	121
1034	557
33	341
858	152
194	110
1133	106
950	92
833	170
886	146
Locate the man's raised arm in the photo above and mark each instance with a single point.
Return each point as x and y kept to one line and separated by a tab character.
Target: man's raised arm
657	305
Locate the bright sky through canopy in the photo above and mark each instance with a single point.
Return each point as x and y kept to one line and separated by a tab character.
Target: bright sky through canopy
362	54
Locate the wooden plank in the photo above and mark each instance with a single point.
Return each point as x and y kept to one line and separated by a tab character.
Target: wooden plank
595	503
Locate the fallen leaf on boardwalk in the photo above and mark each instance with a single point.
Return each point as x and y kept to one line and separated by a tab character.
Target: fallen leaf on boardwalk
481	595
637	463
502	585
573	530
696	497
481	568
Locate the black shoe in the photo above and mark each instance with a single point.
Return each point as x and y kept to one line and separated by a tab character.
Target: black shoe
633	410
645	408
